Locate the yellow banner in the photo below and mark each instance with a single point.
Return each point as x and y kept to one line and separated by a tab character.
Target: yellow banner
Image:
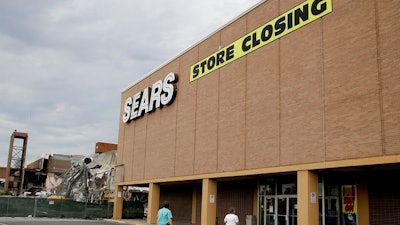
289	21
349	199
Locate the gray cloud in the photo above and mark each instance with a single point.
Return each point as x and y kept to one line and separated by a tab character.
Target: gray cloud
64	63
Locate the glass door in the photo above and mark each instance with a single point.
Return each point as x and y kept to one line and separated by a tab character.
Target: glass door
269	217
280	210
292	210
278	200
332	210
282	214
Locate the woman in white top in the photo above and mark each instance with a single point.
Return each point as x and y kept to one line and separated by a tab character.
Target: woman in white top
231	218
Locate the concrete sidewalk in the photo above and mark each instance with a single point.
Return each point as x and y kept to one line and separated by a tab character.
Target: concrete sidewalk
138	222
128	221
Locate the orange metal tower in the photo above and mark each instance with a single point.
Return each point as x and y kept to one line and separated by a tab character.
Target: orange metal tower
16	160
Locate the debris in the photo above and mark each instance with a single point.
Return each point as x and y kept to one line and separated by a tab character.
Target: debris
90	180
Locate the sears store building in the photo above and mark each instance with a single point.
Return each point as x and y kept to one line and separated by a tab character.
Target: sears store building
290	113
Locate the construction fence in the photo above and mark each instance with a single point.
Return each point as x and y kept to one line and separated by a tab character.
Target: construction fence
11	206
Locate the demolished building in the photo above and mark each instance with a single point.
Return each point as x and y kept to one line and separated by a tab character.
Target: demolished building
90	180
42	174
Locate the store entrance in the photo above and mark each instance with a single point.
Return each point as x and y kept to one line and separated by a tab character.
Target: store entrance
280	210
278	200
332	213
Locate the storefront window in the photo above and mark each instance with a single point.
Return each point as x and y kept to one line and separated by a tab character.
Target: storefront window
339	206
349	204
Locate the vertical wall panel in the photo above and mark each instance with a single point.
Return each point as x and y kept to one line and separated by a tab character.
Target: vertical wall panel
186	117
301	95
389	59
207	104
262	96
167	128
139	144
353	124
127	145
121	143
231	119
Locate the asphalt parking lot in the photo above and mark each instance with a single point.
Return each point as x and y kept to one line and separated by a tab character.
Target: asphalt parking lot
68	221
64	221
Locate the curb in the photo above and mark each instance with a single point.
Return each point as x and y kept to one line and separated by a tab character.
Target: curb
115	221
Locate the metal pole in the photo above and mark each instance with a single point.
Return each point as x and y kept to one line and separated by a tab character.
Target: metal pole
8	204
35	208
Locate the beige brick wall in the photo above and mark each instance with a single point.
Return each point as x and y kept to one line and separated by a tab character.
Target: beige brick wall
353	127
389	68
186	117
328	91
262	101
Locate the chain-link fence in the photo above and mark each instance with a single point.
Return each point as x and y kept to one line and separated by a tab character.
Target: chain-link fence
11	206
42	207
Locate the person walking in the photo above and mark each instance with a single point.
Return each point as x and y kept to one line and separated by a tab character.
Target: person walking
164	215
231	218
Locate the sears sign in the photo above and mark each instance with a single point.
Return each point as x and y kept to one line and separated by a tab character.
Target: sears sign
162	93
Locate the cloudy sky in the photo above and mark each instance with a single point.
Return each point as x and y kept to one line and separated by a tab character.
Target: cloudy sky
64	63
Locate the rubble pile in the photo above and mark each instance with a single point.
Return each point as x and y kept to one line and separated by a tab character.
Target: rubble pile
90	180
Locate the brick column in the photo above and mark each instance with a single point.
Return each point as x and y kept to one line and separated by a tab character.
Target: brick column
153	203
118	202
209	202
307	198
